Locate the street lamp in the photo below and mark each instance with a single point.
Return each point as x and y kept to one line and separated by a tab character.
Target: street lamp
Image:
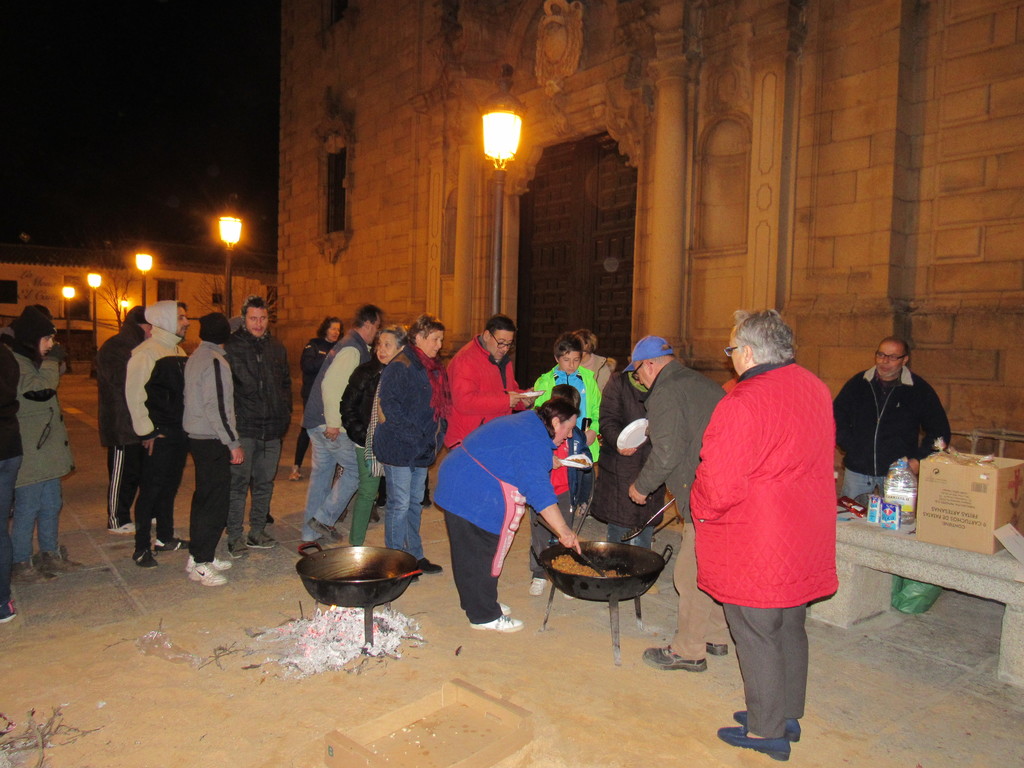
68	292
94	280
502	124
144	263
230	233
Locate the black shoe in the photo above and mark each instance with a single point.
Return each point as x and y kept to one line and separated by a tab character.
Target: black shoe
144	559
776	749
374	516
426	498
270	519
428	567
717	649
792	726
667	659
171	545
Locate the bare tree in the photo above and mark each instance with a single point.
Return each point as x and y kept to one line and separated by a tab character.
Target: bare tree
114	290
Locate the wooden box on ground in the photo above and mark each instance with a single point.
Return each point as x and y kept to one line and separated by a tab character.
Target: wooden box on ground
961	505
460	726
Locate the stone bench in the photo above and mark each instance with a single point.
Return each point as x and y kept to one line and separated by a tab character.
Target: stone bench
866	556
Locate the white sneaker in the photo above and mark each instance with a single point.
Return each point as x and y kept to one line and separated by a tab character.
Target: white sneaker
218	564
537	587
207	575
505	610
123	529
501	624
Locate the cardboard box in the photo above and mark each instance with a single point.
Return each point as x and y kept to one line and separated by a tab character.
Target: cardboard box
459	726
962	505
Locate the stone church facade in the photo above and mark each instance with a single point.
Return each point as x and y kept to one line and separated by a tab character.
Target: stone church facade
857	165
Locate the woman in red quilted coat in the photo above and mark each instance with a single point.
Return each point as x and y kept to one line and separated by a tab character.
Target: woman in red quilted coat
763	504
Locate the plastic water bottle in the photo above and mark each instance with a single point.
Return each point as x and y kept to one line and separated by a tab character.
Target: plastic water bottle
901	488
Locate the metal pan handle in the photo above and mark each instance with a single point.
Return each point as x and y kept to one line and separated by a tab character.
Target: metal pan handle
666	553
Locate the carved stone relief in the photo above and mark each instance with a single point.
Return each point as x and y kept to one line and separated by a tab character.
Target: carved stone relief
559	44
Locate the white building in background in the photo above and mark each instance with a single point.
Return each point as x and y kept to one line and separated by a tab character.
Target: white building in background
31	274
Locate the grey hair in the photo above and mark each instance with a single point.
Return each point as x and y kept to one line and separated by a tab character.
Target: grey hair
766	333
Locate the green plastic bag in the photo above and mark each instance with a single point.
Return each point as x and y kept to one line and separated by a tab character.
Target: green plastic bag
909	596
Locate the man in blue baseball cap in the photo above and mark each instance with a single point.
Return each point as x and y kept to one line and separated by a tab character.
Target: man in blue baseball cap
679	407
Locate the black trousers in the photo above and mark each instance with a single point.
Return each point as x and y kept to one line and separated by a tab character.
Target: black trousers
209	516
161	476
124	466
771	646
473	551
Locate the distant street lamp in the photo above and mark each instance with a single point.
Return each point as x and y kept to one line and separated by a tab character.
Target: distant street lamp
94	280
230	233
68	292
502	125
144	263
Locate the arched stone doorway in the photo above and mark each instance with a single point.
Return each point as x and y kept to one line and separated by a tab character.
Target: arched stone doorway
577	225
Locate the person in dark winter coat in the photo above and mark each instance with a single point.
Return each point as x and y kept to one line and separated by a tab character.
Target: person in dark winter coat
313	356
623	402
881	415
263	409
124	447
415	401
357	406
10	463
46	454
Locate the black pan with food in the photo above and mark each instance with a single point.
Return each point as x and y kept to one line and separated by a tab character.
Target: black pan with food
638	569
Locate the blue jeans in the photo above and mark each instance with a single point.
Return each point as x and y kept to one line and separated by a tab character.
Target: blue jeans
322	501
616	534
854	484
8	475
258	472
405	508
36	508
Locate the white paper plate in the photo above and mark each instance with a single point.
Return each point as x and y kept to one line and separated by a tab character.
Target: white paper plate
577	461
633	435
531	393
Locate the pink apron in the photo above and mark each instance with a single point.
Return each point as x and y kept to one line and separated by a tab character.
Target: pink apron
515	507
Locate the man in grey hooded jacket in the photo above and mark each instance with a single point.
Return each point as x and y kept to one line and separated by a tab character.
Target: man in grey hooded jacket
215	445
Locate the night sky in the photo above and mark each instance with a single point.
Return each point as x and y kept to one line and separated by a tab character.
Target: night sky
138	119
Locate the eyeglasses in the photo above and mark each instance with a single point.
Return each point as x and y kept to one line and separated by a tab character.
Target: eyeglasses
634	375
890	358
730	350
504	344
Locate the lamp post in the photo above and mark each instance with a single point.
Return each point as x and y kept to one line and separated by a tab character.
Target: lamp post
502	124
230	233
68	292
94	280
144	263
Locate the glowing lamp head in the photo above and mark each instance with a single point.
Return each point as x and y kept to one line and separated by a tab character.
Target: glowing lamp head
144	262
501	135
68	291
230	230
94	280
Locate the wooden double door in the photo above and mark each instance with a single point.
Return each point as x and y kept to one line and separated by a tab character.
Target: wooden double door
577	226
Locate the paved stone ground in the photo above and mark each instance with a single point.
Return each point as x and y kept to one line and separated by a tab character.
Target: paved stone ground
893	691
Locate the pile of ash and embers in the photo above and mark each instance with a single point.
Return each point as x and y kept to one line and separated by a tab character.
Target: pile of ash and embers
334	639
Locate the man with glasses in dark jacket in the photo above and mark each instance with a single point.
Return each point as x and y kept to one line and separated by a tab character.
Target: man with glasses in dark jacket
883	414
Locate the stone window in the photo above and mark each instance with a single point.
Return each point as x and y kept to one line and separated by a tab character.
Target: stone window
337	183
166	290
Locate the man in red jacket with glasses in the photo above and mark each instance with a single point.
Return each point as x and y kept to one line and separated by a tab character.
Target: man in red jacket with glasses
763	505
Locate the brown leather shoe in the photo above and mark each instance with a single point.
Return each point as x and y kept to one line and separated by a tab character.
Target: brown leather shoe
666	659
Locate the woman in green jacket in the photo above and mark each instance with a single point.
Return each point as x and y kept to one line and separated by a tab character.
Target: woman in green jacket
47	456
